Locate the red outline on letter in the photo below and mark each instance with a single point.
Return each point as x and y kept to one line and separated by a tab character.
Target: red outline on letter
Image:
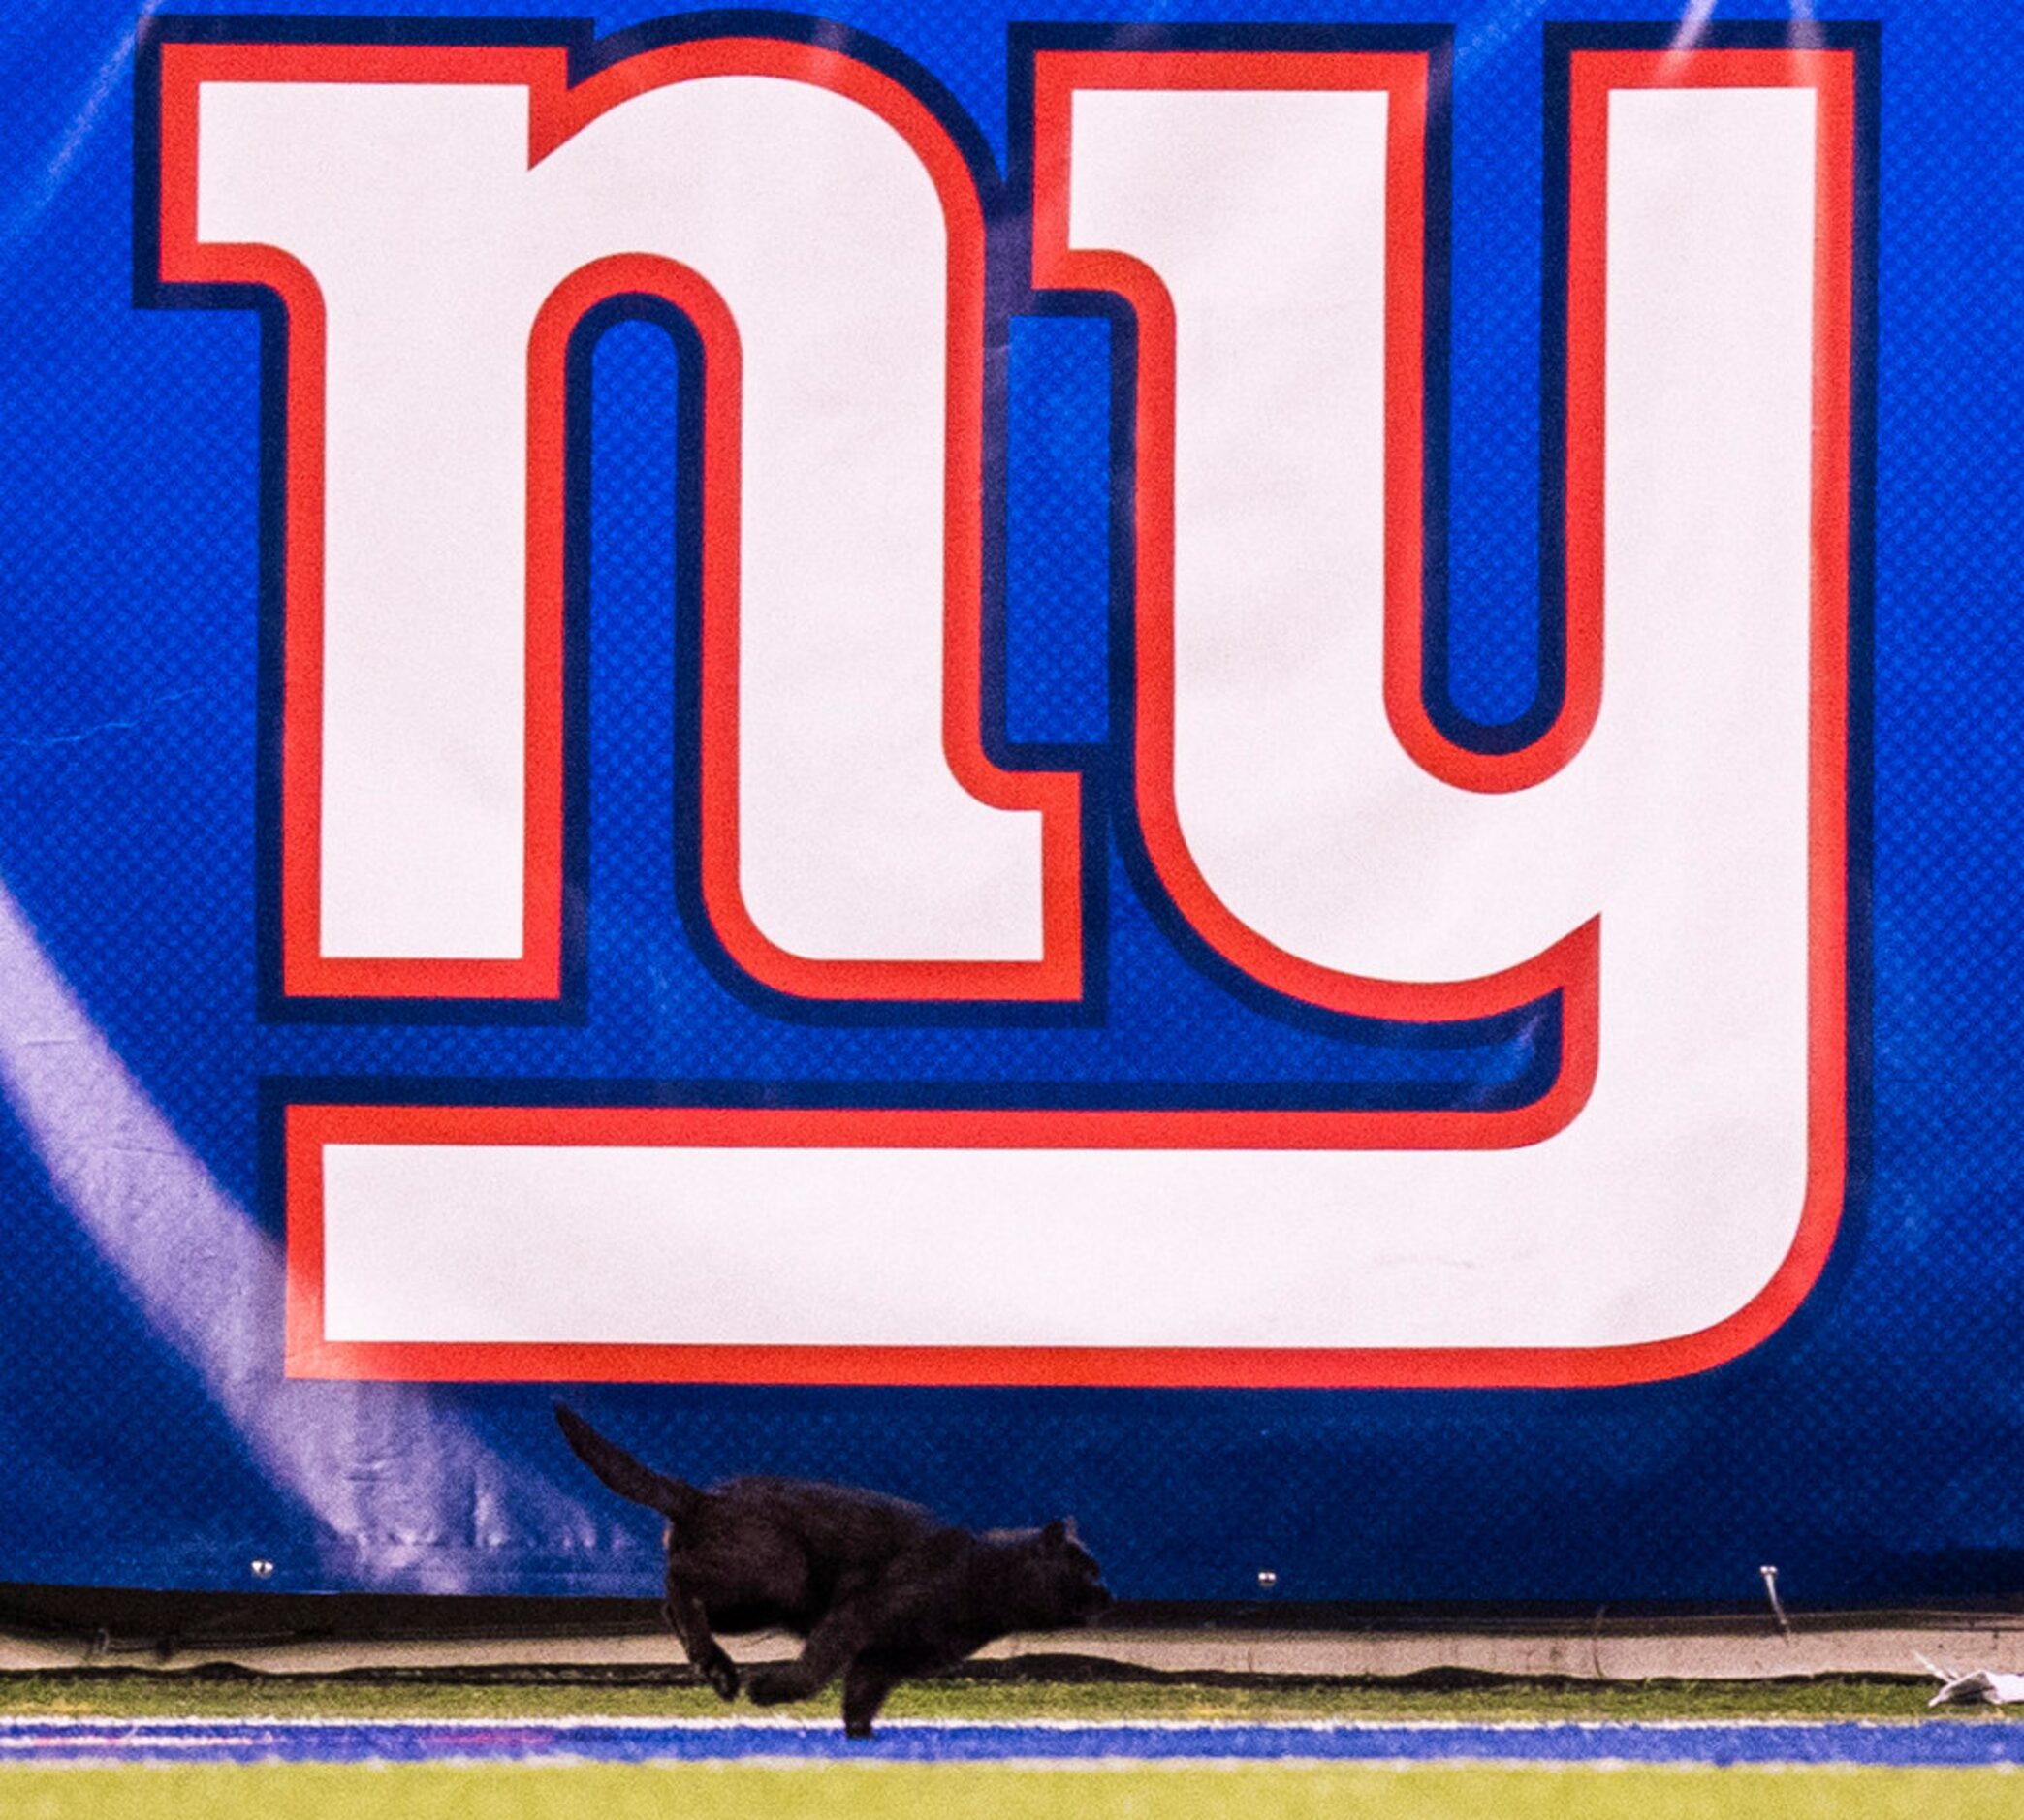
557	112
310	1127
1570	965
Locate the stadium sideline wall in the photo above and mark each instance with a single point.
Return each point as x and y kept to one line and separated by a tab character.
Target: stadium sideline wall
1249	770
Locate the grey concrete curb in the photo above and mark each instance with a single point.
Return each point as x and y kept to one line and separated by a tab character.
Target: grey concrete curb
1601	1651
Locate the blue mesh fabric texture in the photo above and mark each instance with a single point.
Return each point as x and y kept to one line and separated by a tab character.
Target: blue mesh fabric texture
1871	1447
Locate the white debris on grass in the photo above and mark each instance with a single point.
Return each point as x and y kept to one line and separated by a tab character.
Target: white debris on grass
1991	1686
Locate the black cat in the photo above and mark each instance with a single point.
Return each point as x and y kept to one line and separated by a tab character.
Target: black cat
881	1590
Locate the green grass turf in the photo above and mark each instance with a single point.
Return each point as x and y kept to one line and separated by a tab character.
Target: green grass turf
140	1694
966	1792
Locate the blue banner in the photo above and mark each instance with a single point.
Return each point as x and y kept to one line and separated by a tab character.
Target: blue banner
1249	771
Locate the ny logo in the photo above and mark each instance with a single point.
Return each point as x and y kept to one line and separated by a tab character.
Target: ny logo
428	225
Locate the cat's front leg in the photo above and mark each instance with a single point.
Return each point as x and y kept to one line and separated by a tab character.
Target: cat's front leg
866	1685
833	1643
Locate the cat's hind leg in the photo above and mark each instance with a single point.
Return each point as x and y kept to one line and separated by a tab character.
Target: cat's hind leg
688	1620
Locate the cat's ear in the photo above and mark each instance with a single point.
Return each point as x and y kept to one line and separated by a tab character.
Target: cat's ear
1059	1533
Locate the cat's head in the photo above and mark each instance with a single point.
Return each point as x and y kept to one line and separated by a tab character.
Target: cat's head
1068	1582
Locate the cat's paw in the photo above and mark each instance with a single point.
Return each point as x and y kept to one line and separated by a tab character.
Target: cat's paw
857	1728
722	1677
771	1686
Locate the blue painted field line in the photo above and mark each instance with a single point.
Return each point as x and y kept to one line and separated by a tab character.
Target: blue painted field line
1941	1742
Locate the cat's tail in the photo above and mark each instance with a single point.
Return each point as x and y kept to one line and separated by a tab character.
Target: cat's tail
620	1470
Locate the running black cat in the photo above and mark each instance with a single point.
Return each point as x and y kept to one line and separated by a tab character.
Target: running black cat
879	1589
